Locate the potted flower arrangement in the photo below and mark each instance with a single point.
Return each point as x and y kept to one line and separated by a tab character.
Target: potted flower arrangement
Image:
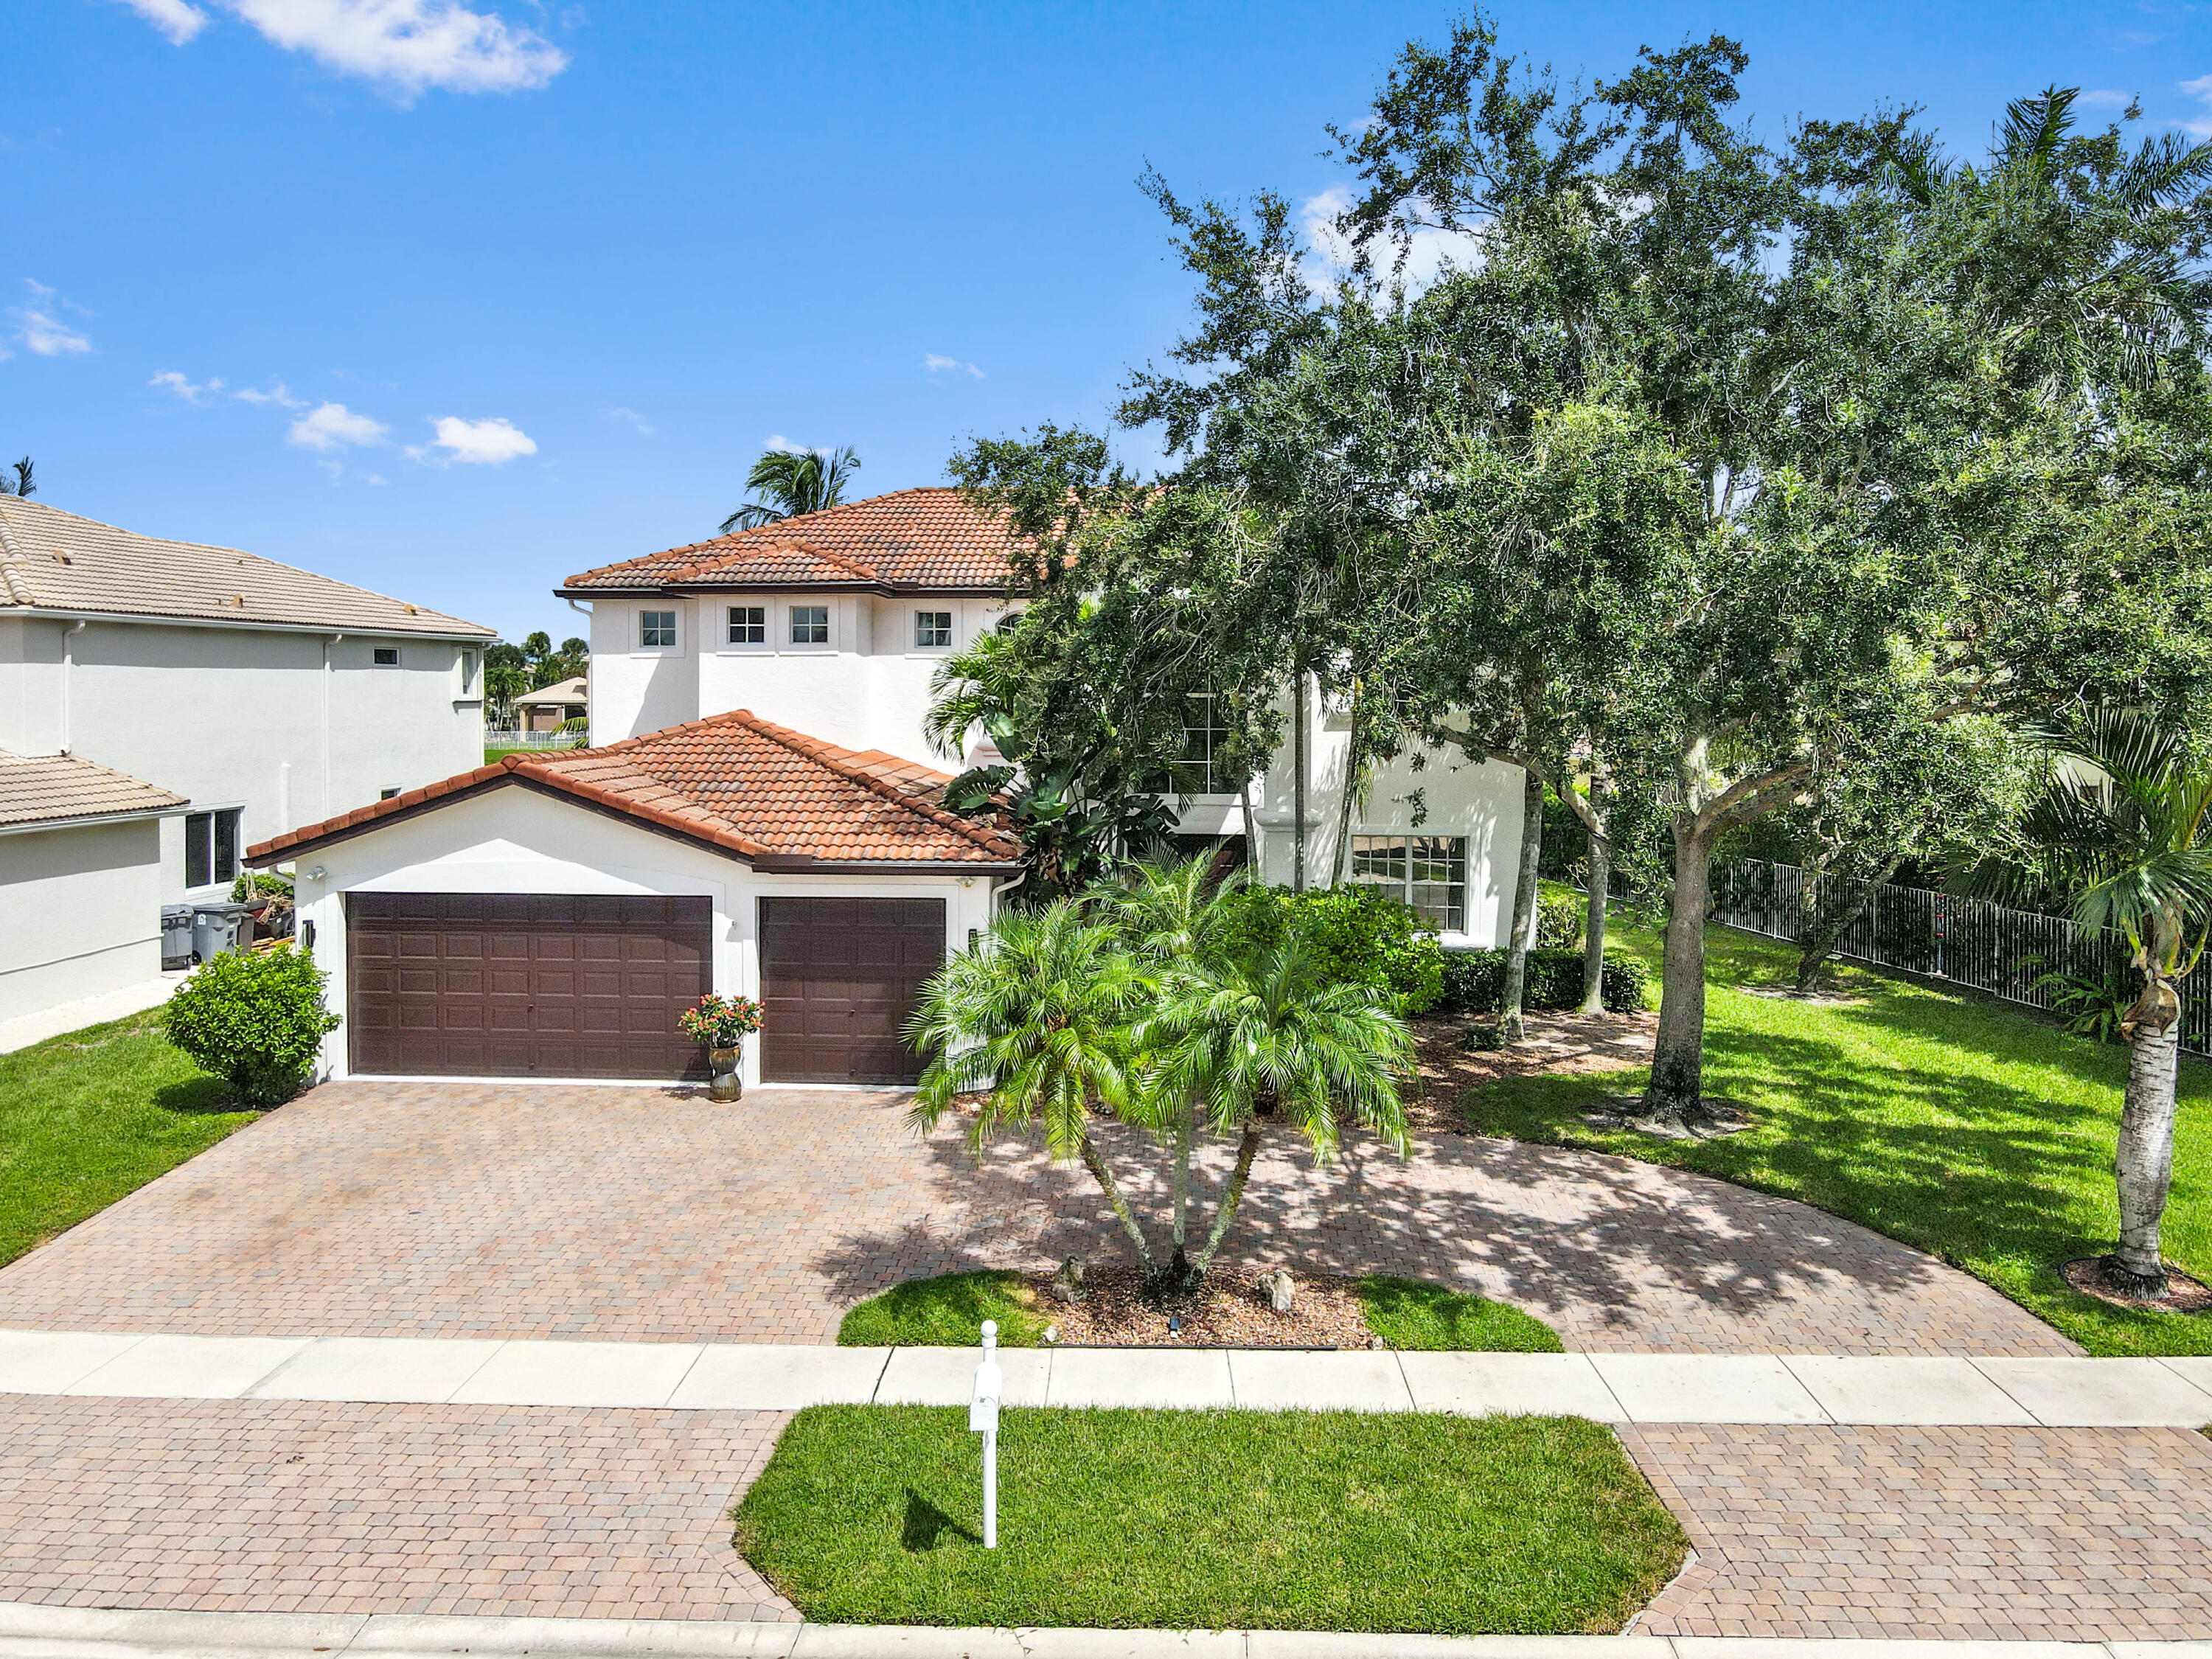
722	1024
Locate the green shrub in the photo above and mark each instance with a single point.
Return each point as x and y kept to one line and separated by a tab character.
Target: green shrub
260	883
255	1019
1560	919
1361	935
1475	981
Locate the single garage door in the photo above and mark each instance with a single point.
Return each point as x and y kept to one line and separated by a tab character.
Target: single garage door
525	985
838	979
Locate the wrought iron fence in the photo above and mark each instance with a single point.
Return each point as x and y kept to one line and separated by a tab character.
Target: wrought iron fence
1967	941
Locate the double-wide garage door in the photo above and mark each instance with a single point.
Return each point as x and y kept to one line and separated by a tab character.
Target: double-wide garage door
525	985
491	985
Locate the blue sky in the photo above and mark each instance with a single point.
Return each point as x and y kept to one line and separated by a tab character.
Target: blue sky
452	301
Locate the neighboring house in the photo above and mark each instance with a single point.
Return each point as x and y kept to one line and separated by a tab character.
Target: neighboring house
80	880
548	916
267	696
833	622
549	707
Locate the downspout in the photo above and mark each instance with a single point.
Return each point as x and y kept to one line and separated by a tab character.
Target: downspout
698	647
329	665
69	674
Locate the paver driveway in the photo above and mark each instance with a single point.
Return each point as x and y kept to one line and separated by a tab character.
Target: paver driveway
469	1210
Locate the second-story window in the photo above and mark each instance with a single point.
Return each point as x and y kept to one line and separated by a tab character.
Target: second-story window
385	656
656	628
810	625
748	624
933	627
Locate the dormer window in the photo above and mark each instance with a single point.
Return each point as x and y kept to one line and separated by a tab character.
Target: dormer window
810	625
932	629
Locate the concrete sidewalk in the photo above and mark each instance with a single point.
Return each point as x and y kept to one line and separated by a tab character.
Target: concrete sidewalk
1617	1388
30	1631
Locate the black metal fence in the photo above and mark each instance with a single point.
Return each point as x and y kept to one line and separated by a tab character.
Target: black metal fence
1967	941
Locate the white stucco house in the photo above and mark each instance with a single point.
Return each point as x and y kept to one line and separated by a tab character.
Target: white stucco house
249	696
832	623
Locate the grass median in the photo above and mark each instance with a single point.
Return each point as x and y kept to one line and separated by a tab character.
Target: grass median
1211	1520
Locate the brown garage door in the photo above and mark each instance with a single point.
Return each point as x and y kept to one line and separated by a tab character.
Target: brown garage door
525	984
838	978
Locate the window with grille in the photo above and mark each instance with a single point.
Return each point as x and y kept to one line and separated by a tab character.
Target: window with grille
656	628
1203	767
1429	872
748	624
933	627
810	625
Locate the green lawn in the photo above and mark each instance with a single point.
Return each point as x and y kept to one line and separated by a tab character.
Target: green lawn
1209	1520
948	1311
87	1117
1952	1123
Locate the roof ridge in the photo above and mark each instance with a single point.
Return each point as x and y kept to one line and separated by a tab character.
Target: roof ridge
814	749
19	589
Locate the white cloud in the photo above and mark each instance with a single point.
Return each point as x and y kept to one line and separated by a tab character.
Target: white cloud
2103	95
633	418
1430	251
779	441
404	47
202	393
933	363
333	426
2201	90
46	335
376	478
173	17
279	394
477	443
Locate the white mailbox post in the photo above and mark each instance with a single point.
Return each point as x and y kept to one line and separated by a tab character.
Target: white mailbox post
983	1420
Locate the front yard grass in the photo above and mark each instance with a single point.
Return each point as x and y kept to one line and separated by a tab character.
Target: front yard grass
1211	1520
1949	1123
91	1116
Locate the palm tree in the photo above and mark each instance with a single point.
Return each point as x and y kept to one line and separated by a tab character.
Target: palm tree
1265	1035
1036	1024
791	482
2122	833
17	480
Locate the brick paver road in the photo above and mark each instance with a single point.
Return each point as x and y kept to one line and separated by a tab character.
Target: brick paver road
641	1214
2043	1535
255	1506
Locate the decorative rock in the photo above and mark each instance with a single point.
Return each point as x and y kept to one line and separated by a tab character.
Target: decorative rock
1051	1336
1067	1283
1281	1289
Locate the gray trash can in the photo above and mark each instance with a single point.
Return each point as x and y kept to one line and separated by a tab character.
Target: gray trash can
176	936
215	928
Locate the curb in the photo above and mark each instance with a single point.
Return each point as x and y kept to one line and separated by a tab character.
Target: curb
33	1631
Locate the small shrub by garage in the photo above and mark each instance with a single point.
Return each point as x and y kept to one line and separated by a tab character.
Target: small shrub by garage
1474	981
255	1019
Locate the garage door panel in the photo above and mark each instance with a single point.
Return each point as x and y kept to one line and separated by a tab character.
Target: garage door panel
839	978
525	985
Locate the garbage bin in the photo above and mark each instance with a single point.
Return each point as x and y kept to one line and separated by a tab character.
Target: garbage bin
216	928
176	936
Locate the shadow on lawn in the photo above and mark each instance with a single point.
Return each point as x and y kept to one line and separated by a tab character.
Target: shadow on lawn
927	1526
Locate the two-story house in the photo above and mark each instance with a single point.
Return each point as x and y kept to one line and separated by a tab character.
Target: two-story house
163	704
833	622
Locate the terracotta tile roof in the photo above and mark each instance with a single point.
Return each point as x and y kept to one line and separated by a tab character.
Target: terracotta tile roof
53	789
928	539
56	559
775	797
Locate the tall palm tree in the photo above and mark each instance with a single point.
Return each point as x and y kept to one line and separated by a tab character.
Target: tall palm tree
1035	1026
2122	833
1267	1036
788	482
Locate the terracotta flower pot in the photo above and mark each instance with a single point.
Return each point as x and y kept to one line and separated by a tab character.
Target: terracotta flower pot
724	1063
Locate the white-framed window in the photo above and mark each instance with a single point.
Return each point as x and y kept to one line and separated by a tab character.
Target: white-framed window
748	624
932	629
656	630
210	847
1204	769
1429	872
385	656
468	671
810	625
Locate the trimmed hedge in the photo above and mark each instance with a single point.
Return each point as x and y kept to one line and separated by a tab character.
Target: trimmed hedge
1474	981
1360	933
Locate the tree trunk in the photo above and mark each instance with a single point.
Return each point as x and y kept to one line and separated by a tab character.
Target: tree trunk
1600	880
1096	1165
1186	1133
1298	784
1352	764
1231	1196
1677	1060
2142	1165
1818	937
1251	832
1524	908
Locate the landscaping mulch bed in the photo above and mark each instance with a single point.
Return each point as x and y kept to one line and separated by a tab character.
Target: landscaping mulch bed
1230	1311
1555	1044
2185	1292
